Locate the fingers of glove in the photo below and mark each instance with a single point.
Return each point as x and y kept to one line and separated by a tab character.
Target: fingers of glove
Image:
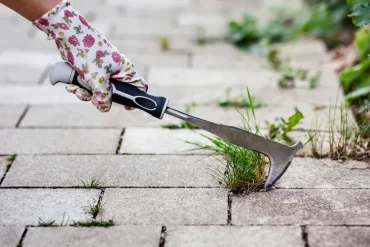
81	93
102	105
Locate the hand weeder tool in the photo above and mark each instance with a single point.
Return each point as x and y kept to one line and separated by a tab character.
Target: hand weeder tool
280	155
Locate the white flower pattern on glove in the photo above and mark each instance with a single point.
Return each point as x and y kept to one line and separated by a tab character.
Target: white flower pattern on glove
94	58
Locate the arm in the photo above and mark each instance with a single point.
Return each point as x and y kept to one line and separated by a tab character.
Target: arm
30	9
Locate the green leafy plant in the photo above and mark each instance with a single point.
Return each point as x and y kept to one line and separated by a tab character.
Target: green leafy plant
94	223
360	12
279	130
242	101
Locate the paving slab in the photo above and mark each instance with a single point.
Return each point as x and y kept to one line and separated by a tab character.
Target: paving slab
11	76
10	235
30	59
84	115
10	114
208	77
118	170
312	173
26	207
166	206
299	207
161	141
15	95
59	141
338	236
218	236
152	46
145	4
135	236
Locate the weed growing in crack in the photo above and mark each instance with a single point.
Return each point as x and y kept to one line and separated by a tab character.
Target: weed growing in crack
343	141
94	210
93	183
93	223
244	169
182	124
49	223
242	101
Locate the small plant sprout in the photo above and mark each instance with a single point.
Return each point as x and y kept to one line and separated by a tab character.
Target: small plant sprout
93	183
279	130
49	223
182	124
164	43
94	210
242	101
93	223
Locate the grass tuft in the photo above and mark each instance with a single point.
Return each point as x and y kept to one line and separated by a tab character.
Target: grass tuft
244	169
94	210
93	183
94	223
344	140
49	223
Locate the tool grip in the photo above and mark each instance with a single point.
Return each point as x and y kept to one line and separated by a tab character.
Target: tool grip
123	93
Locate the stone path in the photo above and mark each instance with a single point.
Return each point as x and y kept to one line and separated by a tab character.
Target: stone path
157	191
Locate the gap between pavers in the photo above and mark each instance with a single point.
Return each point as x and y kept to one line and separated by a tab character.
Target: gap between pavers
117	170
26	206
338	236
311	173
116	236
59	141
10	235
303	206
220	236
4	162
167	206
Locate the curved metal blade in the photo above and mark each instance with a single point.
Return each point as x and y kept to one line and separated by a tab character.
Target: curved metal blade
280	155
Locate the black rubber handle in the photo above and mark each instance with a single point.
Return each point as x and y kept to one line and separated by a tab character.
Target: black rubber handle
129	95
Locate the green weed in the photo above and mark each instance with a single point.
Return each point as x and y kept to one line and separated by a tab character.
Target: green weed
94	210
164	43
49	223
242	101
93	183
94	223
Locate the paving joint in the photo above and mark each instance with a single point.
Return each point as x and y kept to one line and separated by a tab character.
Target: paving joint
162	240
25	111
120	141
7	170
305	236
20	243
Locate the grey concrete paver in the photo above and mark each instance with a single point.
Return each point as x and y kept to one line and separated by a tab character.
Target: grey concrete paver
26	207
338	236
11	76
84	115
121	170
166	206
59	141
161	141
219	236
10	235
10	114
30	59
312	173
309	206
135	236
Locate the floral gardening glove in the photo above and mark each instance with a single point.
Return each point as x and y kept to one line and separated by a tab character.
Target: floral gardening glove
84	48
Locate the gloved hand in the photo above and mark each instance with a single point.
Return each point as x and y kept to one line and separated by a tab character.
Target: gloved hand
85	49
